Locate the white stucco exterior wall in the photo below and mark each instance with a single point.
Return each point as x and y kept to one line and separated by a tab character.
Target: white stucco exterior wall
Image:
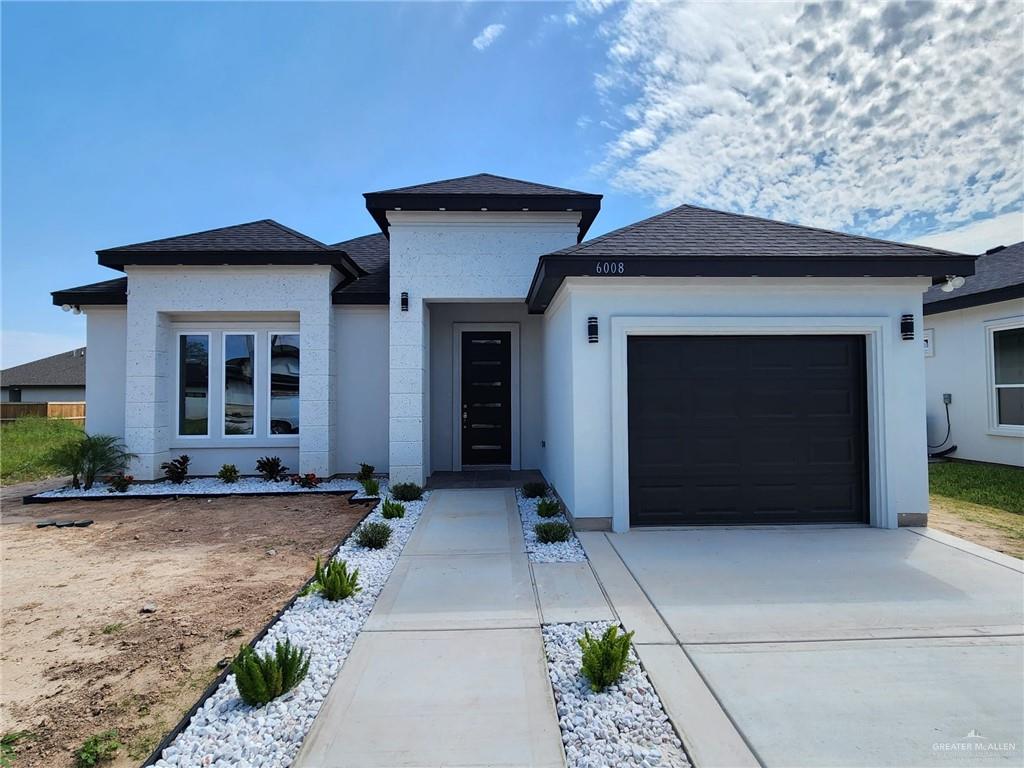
960	366
158	297
361	372
898	442
105	361
558	453
449	256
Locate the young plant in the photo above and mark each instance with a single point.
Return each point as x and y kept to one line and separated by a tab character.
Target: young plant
552	533
8	744
309	480
548	508
333	581
228	473
119	483
90	456
534	490
365	472
176	470
606	658
98	748
374	535
392	509
371	486
262	678
271	469
407	491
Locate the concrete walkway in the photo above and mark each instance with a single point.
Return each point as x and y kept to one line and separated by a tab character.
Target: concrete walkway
449	669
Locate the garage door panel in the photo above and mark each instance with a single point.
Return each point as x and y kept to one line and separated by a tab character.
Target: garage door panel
747	429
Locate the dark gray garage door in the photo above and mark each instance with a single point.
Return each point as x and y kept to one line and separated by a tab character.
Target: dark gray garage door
747	429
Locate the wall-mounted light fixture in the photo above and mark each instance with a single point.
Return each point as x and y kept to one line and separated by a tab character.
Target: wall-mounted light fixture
592	330
952	283
907	327
405	301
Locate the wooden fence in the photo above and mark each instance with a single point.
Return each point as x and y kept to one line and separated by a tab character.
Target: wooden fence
66	411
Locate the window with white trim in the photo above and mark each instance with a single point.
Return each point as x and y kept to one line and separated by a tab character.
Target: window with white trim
194	384
1008	376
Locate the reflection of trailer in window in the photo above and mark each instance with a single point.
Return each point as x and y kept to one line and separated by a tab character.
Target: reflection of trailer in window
238	384
284	384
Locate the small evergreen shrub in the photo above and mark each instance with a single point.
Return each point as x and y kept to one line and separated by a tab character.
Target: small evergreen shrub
365	472
333	581
548	508
407	492
371	486
534	490
98	748
228	473
374	535
119	483
392	509
309	480
176	470
271	469
262	678
604	658
551	533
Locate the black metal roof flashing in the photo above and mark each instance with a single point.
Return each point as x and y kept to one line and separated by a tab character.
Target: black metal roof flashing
108	292
689	241
483	191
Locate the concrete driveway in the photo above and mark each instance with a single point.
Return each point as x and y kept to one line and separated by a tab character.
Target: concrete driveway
812	646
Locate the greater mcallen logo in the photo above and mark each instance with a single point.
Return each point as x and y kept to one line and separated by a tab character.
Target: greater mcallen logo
974	741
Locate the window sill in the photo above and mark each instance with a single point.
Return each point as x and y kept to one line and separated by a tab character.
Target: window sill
195	443
1006	431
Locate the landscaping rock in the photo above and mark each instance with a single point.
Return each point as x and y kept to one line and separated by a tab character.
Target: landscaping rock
570	551
148	608
82	523
45	523
64	523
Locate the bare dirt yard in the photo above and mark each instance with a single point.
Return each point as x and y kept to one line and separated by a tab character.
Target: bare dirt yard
993	528
77	654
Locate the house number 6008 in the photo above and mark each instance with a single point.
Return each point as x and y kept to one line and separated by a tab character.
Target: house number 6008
611	267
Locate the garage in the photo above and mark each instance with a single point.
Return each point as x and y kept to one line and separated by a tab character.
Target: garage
747	429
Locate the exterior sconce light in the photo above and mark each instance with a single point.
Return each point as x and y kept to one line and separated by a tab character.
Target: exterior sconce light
907	327
592	330
405	301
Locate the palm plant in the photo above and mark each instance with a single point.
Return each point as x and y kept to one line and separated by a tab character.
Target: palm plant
91	456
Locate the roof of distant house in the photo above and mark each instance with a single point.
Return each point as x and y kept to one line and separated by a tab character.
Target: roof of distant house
64	370
998	276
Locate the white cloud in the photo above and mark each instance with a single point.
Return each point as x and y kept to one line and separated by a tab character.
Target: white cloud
887	119
488	35
25	346
979	236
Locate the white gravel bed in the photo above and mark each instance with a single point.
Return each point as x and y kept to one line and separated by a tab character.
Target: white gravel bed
227	732
570	551
202	486
624	725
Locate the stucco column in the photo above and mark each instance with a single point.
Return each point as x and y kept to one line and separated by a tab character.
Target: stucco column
407	383
316	383
147	425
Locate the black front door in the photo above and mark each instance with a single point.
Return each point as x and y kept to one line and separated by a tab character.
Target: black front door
486	398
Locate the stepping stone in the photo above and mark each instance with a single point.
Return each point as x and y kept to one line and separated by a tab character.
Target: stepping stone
82	523
45	523
64	523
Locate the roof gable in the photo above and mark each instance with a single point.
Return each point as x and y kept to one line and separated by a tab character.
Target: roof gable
64	370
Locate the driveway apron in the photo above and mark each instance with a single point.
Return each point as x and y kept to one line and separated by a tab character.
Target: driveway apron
449	669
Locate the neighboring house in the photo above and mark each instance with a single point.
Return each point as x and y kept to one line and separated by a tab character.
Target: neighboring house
974	353
695	367
58	378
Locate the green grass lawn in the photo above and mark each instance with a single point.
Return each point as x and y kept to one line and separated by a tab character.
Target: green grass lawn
25	443
992	486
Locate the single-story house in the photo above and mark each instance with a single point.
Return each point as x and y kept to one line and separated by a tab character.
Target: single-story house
695	367
974	361
58	378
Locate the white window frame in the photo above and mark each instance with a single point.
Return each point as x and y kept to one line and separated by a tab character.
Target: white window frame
223	381
991	328
270	385
178	384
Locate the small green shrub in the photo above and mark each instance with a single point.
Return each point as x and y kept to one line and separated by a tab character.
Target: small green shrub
407	491
371	486
98	748
550	533
110	629
228	473
333	581
604	659
535	490
374	535
176	470
262	678
392	509
271	469
308	480
119	483
90	456
365	472
548	508
8	744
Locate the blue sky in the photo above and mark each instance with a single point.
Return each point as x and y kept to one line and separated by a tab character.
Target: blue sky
131	121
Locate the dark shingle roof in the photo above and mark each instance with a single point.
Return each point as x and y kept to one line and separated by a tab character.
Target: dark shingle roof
998	276
107	292
64	370
262	235
480	184
372	254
